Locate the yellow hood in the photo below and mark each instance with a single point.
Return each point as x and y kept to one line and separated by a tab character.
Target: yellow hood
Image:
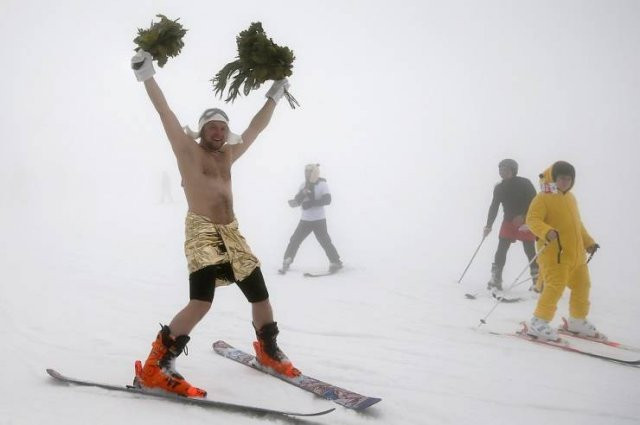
554	210
547	183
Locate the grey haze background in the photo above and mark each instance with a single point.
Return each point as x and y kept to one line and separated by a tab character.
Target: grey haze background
408	107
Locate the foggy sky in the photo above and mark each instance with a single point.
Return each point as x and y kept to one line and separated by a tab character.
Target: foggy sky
407	106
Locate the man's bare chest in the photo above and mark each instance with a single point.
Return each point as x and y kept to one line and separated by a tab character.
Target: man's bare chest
213	166
215	169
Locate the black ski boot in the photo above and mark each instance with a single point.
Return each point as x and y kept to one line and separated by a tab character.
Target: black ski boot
269	354
495	283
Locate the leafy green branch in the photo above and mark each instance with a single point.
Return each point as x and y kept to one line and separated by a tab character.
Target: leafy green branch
162	39
259	59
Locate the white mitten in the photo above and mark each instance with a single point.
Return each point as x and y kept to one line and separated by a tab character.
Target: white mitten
142	65
277	89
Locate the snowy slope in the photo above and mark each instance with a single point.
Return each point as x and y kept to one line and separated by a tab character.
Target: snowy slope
90	306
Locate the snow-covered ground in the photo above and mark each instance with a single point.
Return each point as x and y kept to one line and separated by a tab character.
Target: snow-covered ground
85	297
408	109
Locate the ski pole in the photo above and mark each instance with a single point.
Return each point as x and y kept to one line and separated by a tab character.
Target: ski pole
483	321
513	285
474	256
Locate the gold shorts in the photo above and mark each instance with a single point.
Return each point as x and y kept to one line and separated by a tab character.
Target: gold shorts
207	243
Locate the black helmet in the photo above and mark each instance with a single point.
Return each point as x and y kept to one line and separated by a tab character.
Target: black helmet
510	163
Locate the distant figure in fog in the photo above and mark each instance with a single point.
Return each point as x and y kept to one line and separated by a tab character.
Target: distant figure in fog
515	194
312	197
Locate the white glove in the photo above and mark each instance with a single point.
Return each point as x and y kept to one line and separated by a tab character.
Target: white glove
277	89
142	65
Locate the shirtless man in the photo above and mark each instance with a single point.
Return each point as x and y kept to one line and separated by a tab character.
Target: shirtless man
217	254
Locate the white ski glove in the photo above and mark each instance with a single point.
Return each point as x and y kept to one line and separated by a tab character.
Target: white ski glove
277	89
142	65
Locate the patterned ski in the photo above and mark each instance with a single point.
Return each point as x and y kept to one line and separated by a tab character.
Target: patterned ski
338	395
202	402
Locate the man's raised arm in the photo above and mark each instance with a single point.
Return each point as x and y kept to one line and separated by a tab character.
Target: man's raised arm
142	64
261	119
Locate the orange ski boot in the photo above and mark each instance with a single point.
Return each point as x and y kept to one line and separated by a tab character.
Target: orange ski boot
269	354
159	370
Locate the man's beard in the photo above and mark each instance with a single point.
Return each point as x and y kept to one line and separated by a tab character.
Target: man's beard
214	146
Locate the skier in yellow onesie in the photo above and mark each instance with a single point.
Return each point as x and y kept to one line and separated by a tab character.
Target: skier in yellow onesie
554	218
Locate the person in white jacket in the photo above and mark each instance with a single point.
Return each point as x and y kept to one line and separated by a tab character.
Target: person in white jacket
312	197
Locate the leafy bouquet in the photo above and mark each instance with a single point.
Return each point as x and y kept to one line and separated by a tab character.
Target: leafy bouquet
259	60
162	40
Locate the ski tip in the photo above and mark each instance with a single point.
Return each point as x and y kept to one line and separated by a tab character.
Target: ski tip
323	412
367	403
221	345
53	373
56	375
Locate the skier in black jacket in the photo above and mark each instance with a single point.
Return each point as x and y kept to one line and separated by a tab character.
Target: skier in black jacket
515	194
